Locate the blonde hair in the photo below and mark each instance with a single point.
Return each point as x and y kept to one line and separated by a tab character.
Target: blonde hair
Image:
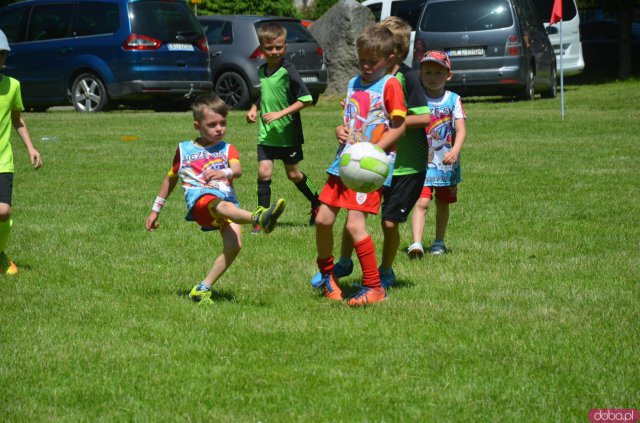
270	31
377	40
211	102
401	31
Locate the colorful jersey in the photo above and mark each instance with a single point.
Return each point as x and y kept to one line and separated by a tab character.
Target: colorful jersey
190	162
10	100
440	136
411	151
368	112
280	90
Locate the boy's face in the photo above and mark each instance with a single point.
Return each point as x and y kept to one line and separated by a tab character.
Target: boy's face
373	66
212	127
434	76
274	50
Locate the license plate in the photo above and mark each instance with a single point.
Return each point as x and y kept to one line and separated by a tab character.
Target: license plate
180	47
461	52
308	79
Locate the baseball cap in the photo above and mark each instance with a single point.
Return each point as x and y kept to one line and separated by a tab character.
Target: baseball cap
4	44
437	56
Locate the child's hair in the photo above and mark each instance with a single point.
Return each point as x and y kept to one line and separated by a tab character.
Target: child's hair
378	40
401	31
271	31
211	102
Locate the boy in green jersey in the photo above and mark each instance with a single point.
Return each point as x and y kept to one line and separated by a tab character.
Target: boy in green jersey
283	95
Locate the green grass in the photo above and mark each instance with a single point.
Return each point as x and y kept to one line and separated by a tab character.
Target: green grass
533	316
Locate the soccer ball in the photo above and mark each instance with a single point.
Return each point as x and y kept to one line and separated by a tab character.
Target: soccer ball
364	167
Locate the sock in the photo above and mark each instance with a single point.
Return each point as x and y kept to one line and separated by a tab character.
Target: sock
325	265
306	187
438	242
264	193
345	261
385	270
366	252
203	287
5	231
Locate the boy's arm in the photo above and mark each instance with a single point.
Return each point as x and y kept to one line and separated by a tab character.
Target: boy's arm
417	121
295	107
394	133
461	134
21	128
252	114
168	184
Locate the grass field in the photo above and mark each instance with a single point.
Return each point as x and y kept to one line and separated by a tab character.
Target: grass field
533	316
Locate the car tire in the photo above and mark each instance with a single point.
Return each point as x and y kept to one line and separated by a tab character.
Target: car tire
552	91
232	88
88	93
315	98
528	91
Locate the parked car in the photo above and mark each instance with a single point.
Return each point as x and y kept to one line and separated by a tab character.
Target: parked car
236	57
497	47
409	10
96	54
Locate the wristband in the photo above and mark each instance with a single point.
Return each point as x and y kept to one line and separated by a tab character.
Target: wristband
158	204
228	173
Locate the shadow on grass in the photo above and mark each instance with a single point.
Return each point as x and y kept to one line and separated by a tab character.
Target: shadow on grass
216	296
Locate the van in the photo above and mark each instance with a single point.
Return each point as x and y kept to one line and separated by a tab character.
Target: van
496	47
408	10
572	59
96	54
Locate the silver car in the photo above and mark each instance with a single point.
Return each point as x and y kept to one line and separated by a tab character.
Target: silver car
236	57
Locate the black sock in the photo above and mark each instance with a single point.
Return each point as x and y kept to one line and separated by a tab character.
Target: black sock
306	187
264	193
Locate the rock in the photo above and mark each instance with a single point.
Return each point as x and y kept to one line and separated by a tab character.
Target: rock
336	31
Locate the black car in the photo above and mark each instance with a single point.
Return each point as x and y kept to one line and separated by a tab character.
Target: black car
236	57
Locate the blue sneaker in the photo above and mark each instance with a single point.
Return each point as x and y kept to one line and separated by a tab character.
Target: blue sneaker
339	271
438	249
388	279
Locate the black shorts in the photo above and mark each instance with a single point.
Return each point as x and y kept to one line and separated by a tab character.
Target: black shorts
401	196
289	155
6	187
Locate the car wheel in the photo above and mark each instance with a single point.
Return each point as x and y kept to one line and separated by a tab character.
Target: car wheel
553	87
529	87
233	89
88	93
315	98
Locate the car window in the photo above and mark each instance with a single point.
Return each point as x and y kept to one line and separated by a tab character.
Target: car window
12	23
376	9
546	6
296	32
164	20
97	18
218	32
407	10
50	22
466	15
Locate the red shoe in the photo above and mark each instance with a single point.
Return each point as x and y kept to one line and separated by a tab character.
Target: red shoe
330	287
368	296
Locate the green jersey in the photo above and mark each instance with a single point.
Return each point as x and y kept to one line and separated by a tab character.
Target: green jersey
412	148
10	100
279	90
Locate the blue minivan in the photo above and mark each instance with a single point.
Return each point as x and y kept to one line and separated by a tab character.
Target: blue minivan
96	54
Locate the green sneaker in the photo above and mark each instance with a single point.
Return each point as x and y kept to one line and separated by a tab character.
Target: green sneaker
267	218
200	294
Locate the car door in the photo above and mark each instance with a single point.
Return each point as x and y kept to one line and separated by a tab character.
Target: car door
303	51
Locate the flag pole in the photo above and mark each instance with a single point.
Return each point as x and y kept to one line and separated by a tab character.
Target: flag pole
561	75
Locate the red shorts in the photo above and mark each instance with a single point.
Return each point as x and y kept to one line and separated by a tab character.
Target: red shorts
447	195
203	213
336	194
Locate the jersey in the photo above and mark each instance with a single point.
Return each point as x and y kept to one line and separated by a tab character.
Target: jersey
411	151
440	136
280	90
10	100
190	162
367	114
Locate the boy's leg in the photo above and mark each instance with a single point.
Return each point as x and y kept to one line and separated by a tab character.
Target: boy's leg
305	186
324	244
264	217
7	267
265	170
416	249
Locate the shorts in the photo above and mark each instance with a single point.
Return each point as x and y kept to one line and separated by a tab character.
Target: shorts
202	213
401	196
336	194
447	195
6	187
289	155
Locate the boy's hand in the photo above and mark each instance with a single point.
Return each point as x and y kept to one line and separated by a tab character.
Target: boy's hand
251	115
213	174
152	221
36	160
342	134
450	158
272	116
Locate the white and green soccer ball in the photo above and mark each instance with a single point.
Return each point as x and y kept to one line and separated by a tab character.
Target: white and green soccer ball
364	167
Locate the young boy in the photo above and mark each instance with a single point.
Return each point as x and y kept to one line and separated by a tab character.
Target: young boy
207	167
410	162
10	115
283	95
446	134
374	112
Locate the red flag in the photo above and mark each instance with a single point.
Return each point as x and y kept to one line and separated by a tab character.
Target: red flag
556	13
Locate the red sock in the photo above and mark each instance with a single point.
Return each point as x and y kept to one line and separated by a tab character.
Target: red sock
366	252
325	265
